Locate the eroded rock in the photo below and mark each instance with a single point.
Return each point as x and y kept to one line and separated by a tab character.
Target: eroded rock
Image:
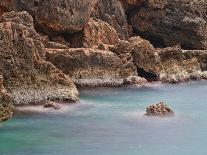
6	106
87	64
27	76
99	32
159	109
171	22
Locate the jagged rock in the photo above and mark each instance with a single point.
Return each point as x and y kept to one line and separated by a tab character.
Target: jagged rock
170	64
99	32
28	77
54	16
112	12
159	109
133	80
143	54
201	55
53	105
172	22
175	67
6	106
87	64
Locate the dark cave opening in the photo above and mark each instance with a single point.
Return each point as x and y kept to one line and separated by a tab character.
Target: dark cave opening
147	75
155	40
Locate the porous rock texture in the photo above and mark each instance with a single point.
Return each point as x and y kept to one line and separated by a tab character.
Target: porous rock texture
112	12
160	110
27	76
6	107
172	22
92	67
171	65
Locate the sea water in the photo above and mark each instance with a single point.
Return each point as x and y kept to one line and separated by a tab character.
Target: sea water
110	121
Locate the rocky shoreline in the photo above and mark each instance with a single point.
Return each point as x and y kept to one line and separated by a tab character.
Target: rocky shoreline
49	48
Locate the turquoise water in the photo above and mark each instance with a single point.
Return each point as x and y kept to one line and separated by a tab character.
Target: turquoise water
109	121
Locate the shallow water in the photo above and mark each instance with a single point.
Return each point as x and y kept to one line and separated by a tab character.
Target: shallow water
109	121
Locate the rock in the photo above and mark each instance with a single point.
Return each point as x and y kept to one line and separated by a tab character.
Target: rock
6	106
27	76
143	54
201	55
159	109
52	105
171	22
133	80
175	67
54	16
87	64
112	12
99	32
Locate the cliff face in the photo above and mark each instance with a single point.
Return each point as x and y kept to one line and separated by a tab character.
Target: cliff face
53	45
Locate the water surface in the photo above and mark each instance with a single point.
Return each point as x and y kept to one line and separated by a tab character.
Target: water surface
109	121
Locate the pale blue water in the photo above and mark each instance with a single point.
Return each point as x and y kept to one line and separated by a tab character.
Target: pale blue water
109	121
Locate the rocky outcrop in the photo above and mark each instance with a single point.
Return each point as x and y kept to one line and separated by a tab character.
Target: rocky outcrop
201	55
92	66
170	64
144	56
134	80
159	109
175	67
112	12
27	76
99	32
172	22
6	107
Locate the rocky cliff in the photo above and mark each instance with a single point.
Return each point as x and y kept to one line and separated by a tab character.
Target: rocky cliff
47	48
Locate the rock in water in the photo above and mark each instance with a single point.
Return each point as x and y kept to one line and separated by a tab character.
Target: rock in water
52	105
159	109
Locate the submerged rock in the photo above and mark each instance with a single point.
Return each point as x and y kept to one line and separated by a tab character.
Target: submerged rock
133	80
159	109
52	105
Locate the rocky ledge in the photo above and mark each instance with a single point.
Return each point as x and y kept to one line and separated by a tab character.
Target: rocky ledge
47	48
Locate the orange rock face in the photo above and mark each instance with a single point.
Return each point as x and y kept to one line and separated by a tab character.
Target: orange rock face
99	32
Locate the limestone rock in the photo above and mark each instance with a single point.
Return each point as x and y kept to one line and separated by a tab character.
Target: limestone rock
172	22
175	67
112	12
201	55
27	76
134	80
53	105
159	109
6	107
87	63
99	32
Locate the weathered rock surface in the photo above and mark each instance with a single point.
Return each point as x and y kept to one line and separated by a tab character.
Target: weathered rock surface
89	64
27	76
99	32
172	22
53	105
6	107
159	109
201	55
170	65
175	67
112	12
134	80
